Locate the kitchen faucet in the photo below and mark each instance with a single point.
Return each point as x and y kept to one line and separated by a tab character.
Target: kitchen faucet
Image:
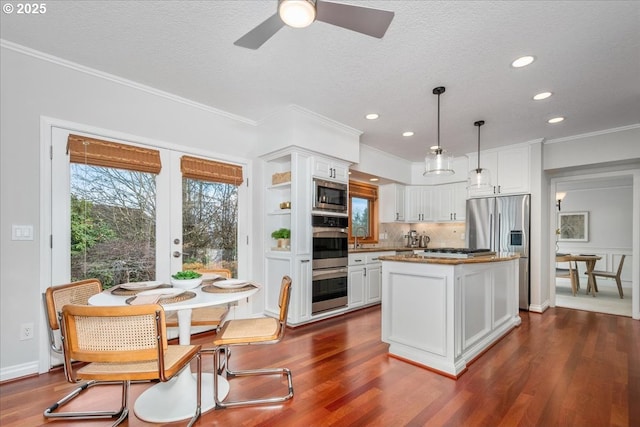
355	236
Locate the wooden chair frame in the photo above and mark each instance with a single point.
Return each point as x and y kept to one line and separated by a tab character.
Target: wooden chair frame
123	344
615	275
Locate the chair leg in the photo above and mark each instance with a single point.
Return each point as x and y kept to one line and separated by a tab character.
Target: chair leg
199	390
250	372
120	413
619	283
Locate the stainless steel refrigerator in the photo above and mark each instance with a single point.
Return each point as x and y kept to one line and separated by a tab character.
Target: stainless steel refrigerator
502	225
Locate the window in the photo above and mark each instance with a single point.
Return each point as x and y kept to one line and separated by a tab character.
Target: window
363	208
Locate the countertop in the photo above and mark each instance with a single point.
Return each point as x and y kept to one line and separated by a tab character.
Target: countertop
381	249
451	261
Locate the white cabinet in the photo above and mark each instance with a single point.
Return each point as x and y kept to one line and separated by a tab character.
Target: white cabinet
392	202
418	204
509	170
332	169
449	202
365	278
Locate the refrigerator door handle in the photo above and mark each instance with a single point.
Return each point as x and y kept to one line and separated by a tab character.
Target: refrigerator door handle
491	233
498	234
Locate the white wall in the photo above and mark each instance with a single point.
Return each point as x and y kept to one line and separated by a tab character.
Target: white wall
33	87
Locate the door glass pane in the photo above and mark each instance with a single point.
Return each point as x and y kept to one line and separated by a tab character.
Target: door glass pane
360	217
209	225
113	225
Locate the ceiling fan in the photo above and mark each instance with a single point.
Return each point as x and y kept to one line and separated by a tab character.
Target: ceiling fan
301	13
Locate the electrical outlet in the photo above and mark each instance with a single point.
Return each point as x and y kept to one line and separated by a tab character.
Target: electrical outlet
26	331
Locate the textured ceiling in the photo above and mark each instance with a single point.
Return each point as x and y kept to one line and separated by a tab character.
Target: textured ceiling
587	53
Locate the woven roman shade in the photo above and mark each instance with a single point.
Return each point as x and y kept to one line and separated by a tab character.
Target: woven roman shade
360	189
97	152
208	170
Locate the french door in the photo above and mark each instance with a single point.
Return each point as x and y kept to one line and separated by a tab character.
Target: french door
122	226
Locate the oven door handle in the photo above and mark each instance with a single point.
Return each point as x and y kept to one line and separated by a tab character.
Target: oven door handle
329	232
330	273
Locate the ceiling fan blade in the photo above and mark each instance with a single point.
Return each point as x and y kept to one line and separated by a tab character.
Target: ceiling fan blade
372	22
260	34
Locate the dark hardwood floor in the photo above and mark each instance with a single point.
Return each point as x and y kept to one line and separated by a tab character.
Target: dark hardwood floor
562	368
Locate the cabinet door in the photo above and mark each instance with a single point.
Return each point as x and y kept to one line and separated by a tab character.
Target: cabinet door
418	204
391	202
442	197
325	168
356	286
373	282
459	201
513	171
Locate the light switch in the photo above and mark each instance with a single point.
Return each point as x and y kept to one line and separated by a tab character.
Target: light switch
22	232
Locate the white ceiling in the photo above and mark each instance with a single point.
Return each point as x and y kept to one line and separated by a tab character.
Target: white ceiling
588	55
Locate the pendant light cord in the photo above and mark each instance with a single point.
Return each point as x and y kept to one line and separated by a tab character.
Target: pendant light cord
479	123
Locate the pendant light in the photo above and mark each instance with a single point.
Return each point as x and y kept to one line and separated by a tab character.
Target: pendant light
479	177
438	163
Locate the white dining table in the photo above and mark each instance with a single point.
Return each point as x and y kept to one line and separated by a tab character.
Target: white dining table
175	399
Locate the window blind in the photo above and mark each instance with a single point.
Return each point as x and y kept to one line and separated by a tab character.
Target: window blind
97	152
209	170
360	189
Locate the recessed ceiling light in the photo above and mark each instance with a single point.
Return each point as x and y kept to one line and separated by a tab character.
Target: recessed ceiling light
542	95
373	179
371	116
522	61
408	133
555	120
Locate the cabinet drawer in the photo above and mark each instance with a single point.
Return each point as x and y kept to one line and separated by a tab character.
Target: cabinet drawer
374	256
357	259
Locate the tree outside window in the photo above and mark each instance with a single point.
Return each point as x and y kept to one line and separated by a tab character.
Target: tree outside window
363	208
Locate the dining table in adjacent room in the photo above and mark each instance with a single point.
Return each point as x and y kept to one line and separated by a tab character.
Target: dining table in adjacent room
175	399
590	264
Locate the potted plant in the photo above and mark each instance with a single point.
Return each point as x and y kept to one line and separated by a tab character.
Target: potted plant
282	235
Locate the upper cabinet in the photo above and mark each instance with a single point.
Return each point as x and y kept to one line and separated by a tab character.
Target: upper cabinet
449	202
419	203
509	170
331	169
392	202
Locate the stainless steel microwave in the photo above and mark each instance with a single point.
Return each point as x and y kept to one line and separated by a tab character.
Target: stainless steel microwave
330	196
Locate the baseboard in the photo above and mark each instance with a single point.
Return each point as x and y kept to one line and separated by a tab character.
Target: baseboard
17	371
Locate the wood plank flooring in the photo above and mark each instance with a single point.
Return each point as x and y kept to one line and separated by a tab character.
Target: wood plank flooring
561	368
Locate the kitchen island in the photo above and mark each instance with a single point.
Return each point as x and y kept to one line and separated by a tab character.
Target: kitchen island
444	313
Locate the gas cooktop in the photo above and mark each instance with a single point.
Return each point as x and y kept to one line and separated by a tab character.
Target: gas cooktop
456	253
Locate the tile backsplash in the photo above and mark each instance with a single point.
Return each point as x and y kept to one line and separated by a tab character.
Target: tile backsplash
449	235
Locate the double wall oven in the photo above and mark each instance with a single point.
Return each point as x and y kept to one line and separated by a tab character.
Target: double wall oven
330	259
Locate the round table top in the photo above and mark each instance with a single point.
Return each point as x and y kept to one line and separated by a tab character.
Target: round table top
202	298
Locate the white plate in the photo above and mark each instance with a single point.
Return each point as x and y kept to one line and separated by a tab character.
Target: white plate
141	285
211	276
231	283
165	292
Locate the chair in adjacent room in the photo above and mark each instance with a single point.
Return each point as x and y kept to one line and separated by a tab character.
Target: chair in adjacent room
124	344
204	316
610	275
242	332
569	273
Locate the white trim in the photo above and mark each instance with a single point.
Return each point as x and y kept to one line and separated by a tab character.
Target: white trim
590	134
120	80
17	371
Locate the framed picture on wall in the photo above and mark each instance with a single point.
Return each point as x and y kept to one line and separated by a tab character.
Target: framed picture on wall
574	226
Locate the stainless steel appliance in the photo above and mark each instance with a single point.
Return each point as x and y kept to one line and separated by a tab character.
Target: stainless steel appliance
330	196
412	239
501	224
330	259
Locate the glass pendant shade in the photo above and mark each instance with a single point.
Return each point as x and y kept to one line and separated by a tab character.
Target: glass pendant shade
479	177
438	163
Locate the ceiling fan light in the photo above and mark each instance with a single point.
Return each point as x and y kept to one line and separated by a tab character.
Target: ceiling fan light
297	13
